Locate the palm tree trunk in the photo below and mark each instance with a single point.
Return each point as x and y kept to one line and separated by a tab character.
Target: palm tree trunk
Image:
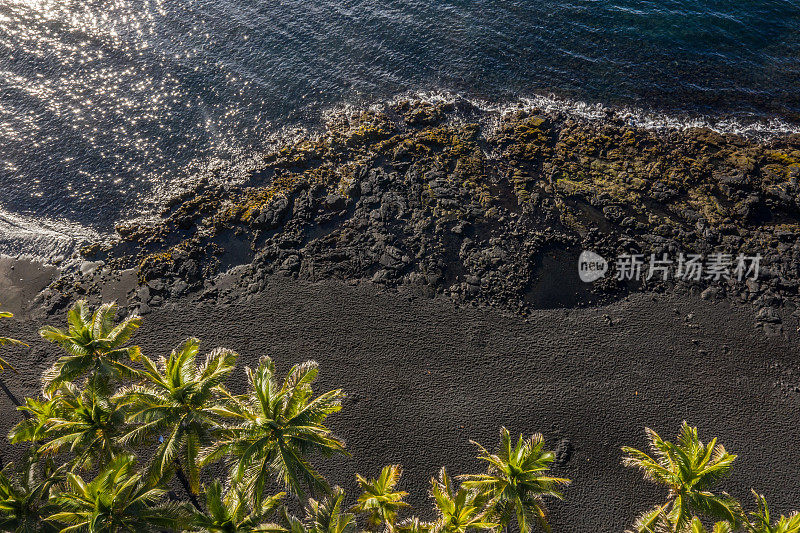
11	397
186	487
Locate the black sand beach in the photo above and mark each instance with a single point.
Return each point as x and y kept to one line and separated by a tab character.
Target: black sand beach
424	377
579	219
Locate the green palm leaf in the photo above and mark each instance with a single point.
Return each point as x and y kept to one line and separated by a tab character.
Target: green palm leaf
94	347
178	402
25	496
689	469
327	516
760	522
461	510
273	430
379	499
516	481
117	499
231	512
6	341
83	423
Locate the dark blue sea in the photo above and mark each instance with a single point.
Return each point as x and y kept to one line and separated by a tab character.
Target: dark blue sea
106	105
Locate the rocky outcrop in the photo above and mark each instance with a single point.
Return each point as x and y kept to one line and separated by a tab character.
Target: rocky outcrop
446	199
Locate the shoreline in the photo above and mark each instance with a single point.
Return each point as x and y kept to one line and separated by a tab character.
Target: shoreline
67	238
435	199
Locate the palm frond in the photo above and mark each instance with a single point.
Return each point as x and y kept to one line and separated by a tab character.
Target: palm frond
689	468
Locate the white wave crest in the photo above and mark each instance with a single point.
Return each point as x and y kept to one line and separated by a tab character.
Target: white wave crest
42	239
754	127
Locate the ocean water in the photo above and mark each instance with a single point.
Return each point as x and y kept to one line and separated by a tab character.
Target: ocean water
106	105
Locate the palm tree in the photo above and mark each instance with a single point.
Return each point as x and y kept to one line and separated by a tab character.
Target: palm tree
25	499
94	344
379	499
414	525
39	414
460	510
516	480
760	520
274	428
293	524
85	422
178	401
6	340
117	500
326	516
230	513
688	468
720	527
3	363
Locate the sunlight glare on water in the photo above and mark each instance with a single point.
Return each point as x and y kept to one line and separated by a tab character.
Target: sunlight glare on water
90	94
106	105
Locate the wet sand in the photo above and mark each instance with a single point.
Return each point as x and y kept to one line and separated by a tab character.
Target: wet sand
424	377
20	282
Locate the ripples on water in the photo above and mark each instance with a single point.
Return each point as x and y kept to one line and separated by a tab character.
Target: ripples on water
105	104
